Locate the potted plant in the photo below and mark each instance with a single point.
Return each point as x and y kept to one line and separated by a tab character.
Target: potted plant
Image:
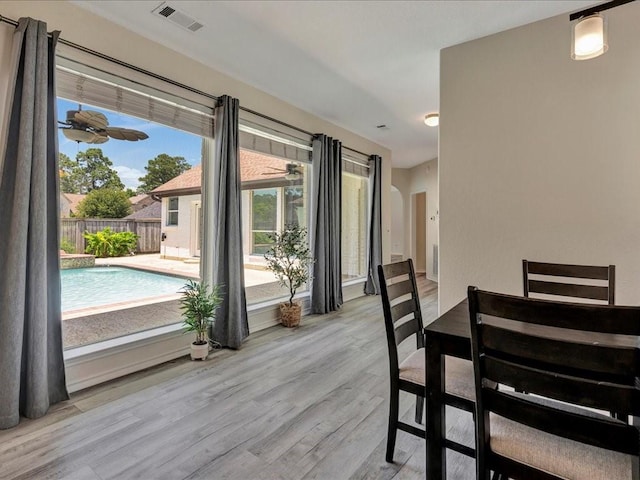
199	305
289	258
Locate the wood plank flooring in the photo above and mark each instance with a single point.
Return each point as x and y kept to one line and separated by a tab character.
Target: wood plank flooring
305	403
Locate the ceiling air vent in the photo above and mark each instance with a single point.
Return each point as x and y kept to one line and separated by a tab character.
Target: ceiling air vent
179	18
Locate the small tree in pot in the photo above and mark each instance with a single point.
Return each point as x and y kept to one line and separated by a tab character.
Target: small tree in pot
289	258
199	306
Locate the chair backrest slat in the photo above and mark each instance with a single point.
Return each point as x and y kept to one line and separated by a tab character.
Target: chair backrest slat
573	271
405	330
400	289
592	292
551	282
593	357
598	318
403	309
571	389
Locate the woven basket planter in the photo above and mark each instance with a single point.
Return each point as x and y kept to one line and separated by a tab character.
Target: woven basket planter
290	314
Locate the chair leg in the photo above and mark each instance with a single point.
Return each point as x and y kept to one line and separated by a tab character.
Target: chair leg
419	408
393	422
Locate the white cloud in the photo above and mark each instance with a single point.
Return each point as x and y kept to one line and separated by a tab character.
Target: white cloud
128	175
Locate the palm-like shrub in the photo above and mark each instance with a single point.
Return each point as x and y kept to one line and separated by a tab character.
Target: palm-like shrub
199	304
107	243
289	258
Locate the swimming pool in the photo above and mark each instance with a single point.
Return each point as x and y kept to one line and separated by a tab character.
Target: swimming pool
93	287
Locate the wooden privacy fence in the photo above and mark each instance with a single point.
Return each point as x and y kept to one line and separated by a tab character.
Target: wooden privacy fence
148	231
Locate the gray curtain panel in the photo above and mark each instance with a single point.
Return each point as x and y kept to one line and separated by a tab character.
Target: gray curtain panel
374	252
231	326
32	373
326	230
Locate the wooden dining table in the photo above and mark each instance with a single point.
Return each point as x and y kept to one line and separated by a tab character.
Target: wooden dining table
450	335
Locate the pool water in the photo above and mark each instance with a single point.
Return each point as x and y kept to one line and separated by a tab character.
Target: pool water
93	287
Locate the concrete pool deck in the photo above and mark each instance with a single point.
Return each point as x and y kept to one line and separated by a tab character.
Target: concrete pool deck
104	323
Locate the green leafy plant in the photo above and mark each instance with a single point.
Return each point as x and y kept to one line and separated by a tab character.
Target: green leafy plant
199	304
104	203
67	246
108	243
289	258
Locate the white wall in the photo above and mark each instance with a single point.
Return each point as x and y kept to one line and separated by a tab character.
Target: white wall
539	156
409	181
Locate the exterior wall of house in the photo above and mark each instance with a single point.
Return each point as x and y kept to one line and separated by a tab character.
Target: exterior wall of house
177	243
539	156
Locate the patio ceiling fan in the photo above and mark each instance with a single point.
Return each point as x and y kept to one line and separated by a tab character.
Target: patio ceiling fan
291	171
89	126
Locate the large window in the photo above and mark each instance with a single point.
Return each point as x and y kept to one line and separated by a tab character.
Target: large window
274	195
101	114
354	225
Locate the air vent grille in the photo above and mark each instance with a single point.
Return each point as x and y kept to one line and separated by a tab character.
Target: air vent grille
181	19
166	11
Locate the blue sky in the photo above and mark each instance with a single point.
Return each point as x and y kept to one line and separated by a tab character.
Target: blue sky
130	158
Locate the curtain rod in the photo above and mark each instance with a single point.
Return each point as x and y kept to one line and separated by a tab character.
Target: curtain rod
168	80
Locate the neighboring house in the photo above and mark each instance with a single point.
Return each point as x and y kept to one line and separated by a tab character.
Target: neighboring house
69	204
269	201
139	202
150	212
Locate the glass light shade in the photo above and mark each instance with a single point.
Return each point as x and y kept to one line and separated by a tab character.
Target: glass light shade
432	119
589	37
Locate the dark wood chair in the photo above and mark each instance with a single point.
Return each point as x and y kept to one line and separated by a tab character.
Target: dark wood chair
547	281
403	319
554	432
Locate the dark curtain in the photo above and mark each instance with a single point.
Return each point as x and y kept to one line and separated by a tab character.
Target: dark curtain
32	373
374	252
326	288
224	253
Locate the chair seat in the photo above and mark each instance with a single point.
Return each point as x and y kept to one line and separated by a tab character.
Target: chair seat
557	455
458	375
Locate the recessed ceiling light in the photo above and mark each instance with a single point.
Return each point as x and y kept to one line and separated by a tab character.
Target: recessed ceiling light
432	119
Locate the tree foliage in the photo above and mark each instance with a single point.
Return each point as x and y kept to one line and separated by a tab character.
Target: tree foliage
104	203
289	258
91	171
160	170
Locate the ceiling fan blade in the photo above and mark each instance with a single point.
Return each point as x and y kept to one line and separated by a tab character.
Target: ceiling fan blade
93	119
99	139
125	134
85	136
273	173
278	169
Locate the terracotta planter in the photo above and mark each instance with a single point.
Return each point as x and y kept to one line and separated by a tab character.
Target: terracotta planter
199	352
290	314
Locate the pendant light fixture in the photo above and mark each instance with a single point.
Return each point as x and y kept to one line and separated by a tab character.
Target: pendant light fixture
589	31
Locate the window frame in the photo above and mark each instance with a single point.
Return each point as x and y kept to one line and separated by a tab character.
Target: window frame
175	211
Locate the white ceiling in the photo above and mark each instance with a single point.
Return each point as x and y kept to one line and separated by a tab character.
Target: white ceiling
357	64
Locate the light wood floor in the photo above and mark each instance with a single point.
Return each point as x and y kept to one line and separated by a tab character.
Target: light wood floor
291	404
